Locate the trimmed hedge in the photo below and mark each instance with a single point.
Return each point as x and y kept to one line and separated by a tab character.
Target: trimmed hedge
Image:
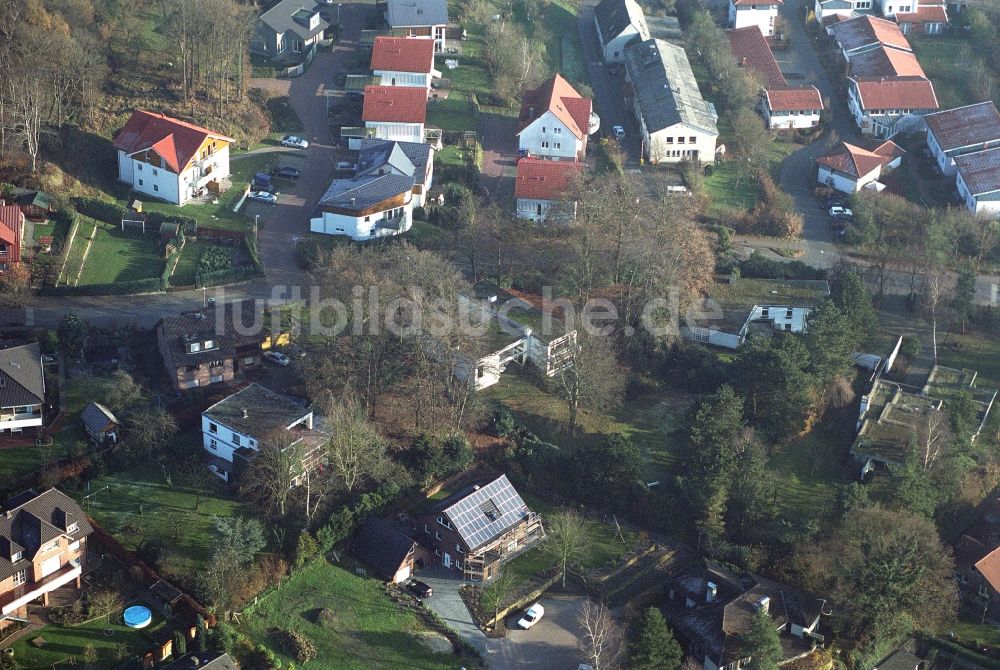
102	210
227	276
151	285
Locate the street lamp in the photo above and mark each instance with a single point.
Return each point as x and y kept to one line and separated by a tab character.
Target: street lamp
338	12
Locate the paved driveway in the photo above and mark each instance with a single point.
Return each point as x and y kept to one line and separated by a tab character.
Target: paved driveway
550	645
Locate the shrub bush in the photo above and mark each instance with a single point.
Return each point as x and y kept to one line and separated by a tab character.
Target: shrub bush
299	646
108	211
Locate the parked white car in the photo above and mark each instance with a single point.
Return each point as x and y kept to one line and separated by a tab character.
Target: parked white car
294	141
840	212
531	616
263	196
277	358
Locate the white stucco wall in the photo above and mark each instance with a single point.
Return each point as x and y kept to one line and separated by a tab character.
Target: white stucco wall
363	227
549	137
664	146
974	204
614	49
222	443
843	183
765	16
796	120
157	182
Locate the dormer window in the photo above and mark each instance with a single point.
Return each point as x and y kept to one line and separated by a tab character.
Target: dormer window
210	344
73	527
194	347
18	555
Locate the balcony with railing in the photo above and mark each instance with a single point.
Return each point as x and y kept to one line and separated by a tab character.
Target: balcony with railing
24	593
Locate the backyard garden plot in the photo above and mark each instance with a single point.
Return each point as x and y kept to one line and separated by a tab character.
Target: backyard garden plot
351	620
146	503
121	256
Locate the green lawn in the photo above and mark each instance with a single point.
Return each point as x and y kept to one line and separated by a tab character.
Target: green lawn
451	155
944	60
187	265
968	628
75	256
117	256
452	113
810	471
63	643
368	630
57	230
730	187
141	503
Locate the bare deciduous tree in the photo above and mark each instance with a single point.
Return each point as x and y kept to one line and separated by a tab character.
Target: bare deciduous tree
933	436
356	449
568	538
603	641
591	376
273	470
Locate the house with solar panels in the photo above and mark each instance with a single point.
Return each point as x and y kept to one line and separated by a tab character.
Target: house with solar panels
479	528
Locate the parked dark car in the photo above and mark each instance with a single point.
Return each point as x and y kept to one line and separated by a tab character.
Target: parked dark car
419	589
287	172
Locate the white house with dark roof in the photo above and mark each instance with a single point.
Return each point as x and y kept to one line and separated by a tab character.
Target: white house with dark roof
866	33
390	180
978	181
881	106
677	124
287	31
237	427
22	388
828	9
419	18
618	24
760	13
962	130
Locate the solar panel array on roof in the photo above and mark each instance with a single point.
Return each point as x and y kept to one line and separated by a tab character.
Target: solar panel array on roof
487	512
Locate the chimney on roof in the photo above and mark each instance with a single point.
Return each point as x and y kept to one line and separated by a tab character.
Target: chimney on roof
710	591
246	413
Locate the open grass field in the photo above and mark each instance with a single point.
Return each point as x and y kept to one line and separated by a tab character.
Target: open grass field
944	59
730	187
117	256
64	645
143	502
453	113
368	631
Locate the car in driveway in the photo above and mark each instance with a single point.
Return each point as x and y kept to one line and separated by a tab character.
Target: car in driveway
839	212
618	131
531	616
277	358
287	172
294	141
262	196
419	589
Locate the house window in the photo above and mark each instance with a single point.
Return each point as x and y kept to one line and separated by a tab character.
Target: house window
764	313
16	557
458	548
669	140
155	172
437	535
19	577
156	187
138	166
558	145
543	129
194	347
788	313
73	527
680	140
210	344
367	219
236	439
140	182
692	140
557	130
212	428
545	145
213	444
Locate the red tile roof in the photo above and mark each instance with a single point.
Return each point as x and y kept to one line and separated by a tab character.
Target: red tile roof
989	568
539	179
753	53
886	62
866	30
930	14
557	96
895	93
794	99
175	140
395	104
857	161
11	219
401	54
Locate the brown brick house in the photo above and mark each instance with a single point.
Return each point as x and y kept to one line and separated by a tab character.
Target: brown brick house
206	346
43	545
480	528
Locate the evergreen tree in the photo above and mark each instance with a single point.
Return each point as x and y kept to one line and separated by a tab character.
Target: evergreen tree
965	293
751	503
771	373
202	634
761	643
180	644
830	341
851	296
654	646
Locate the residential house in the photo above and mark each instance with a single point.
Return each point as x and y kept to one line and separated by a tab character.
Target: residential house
928	17
760	13
210	345
977	560
712	608
849	168
540	187
398	61
11	229
619	23
885	62
962	130
479	528
555	121
100	423
891	415
978	181
237	427
882	106
203	660
783	106
36	205
866	33
840	9
22	388
43	546
390	551
391	179
903	657
676	123
171	160
289	31
395	112
419	18
512	331
738	306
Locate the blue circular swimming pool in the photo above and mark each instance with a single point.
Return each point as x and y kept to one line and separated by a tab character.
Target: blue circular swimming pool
138	616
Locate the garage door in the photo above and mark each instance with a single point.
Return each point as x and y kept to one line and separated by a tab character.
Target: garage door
50	565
